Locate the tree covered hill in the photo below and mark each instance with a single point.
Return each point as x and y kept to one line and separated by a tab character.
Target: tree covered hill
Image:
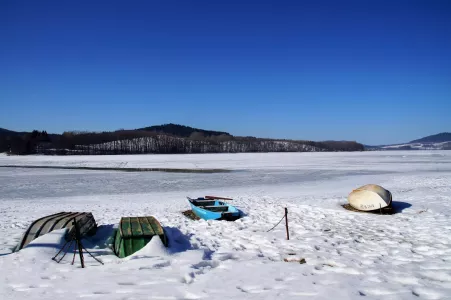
168	138
436	138
181	130
6	132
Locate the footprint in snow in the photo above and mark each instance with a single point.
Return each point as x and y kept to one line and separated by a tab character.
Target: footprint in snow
162	265
437	276
156	266
307	294
123	291
188	278
94	294
426	293
126	283
21	287
148	282
206	264
253	289
405	279
190	296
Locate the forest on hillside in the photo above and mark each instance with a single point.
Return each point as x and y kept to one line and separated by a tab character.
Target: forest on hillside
157	141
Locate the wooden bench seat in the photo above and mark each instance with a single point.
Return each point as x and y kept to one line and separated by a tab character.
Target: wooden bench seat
216	208
204	202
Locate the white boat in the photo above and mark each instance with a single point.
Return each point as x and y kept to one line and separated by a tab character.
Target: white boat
370	197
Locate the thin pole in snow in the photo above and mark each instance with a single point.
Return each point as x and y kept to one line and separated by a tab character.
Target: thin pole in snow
286	223
75	252
78	243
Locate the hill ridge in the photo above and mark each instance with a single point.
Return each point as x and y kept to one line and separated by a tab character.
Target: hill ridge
181	130
435	138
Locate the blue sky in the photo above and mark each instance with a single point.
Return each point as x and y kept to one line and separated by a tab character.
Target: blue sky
377	72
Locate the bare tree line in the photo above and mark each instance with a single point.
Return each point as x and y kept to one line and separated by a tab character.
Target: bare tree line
142	142
165	144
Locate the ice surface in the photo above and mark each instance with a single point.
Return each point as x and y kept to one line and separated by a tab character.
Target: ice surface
399	160
348	255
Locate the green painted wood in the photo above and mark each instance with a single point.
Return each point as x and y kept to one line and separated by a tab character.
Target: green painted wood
125	227
146	227
118	249
158	230
137	231
134	233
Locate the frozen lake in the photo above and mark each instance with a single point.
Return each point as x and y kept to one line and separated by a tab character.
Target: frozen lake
349	255
18	183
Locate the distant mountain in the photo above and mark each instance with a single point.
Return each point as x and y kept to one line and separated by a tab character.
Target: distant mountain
419	146
441	141
6	132
436	138
181	130
7	137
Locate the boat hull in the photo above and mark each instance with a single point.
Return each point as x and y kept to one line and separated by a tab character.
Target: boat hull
231	214
85	220
134	233
370	197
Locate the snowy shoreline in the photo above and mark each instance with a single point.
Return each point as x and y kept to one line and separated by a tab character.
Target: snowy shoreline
123	169
348	255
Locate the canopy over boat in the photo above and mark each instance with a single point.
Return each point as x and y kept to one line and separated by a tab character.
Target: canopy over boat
209	208
370	197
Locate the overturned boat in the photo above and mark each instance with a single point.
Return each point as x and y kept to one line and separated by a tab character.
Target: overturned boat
134	233
370	197
211	208
86	223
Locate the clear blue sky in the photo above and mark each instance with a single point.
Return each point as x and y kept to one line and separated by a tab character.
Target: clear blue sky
373	71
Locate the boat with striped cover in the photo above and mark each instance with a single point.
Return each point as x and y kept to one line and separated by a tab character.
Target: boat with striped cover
85	220
134	233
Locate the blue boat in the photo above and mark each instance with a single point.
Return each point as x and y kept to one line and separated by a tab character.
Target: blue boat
209	208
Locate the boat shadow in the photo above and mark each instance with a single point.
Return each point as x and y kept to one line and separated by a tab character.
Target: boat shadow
242	213
180	242
399	206
98	244
177	240
102	242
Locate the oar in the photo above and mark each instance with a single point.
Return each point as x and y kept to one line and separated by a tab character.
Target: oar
214	197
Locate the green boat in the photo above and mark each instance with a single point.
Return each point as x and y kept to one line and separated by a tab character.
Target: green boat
134	233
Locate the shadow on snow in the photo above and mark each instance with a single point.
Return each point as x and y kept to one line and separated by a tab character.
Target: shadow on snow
399	206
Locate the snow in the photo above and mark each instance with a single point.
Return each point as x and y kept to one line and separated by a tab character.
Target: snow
348	255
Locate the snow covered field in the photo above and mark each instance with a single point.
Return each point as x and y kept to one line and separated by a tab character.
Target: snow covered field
348	255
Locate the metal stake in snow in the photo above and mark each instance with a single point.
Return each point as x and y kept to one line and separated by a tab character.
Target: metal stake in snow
285	216
286	223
